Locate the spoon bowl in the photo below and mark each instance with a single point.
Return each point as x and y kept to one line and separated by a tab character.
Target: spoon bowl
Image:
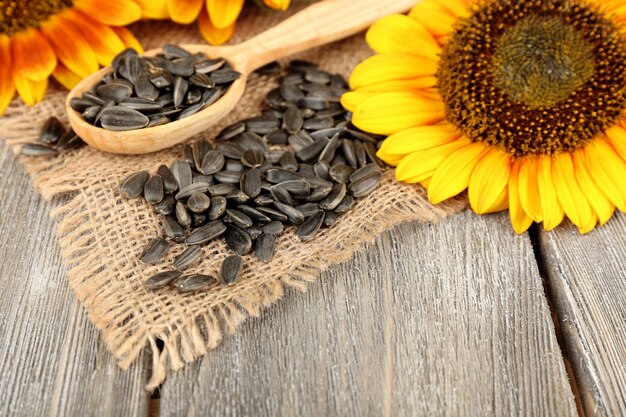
321	23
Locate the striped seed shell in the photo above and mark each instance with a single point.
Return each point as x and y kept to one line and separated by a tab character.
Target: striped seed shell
251	183
161	279
182	172
194	282
132	186
51	131
252	158
170	184
273	228
365	186
294	216
206	233
187	257
265	246
238	240
230	269
153	189
238	218
212	162
198	187
182	215
334	198
37	149
154	251
293	120
345	205
217	207
307	230
198	202
172	229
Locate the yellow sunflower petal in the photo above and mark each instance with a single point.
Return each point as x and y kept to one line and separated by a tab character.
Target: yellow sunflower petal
551	210
392	112
391	66
103	40
603	208
66	77
128	38
153	9
528	188
421	165
213	35
488	180
458	8
419	84
519	219
434	17
419	139
617	137
400	33
32	55
501	203
224	13
184	11
30	91
352	99
114	13
570	196
70	46
453	175
277	4
607	169
7	87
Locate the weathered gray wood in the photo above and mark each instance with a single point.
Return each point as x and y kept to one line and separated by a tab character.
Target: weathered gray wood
587	279
431	320
52	360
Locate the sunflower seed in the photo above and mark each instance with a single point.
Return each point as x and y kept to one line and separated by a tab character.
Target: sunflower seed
362	136
334	198
317	123
170	184
345	205
326	133
370	150
272	156
319	193
276	175
174	51
254	214
198	203
188	191
233	165
278	137
182	215
288	161
328	154
211	96
322	169
230	269
154	251
141	104
238	218
80	104
298	188
190	111
308	209
217	207
251	141
51	131
330	219
37	149
187	257
312	151
172	229
144	88
180	89
114	91
293	120
198	220
307	230
182	173
291	93
132	186
238	240
317	76
91	113
161	279
252	158
193	96
365	186
265	246
207	179
341	173
191	283
281	195
221	189
181	67
231	131
119	118
225	75
273	213
264	200
292	214
347	146
301	66
262	124
208	65
230	149
166	206
206	233
153	189
273	228
228	177
160	77
314	103
364	172
359	151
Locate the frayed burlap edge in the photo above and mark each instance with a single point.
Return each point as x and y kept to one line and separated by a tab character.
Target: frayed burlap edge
100	244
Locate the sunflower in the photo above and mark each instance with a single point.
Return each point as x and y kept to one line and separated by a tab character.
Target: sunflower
68	39
522	103
216	18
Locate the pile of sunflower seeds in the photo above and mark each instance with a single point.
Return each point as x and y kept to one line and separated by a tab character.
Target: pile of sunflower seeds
300	163
53	139
152	91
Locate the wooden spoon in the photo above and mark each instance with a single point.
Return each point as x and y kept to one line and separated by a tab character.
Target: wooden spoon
318	24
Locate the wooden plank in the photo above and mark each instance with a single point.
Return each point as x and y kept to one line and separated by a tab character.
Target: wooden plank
448	319
587	281
52	361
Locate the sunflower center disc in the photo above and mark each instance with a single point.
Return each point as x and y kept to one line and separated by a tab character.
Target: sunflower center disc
534	77
23	14
541	61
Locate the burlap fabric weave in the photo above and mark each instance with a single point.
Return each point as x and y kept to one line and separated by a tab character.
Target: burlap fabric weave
101	233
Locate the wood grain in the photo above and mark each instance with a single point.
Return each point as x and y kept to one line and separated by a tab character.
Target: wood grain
587	281
432	320
52	360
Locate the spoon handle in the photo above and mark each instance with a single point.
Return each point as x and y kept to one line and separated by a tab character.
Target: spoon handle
318	24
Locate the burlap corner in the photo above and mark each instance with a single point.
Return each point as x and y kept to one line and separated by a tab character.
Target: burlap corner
101	234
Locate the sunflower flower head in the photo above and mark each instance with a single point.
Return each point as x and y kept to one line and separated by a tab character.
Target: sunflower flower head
522	104
68	39
216	18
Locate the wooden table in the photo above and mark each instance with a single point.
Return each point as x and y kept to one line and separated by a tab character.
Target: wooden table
462	318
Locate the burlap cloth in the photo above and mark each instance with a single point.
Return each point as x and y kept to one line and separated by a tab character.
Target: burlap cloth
101	233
